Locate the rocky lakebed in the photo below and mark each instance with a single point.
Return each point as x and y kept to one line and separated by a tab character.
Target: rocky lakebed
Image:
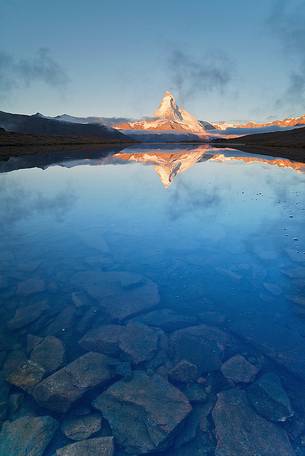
138	317
112	372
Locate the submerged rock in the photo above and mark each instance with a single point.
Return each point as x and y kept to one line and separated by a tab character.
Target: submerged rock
135	340
61	389
195	423
32	341
2	357
139	342
26	376
14	359
4	398
166	319
273	288
184	372
93	237
49	353
101	446
14	402
143	413
241	432
80	300
27	436
120	294
201	345
30	286
295	273
62	322
298	300
214	317
26	315
269	398
88	319
239	370
104	339
81	427
195	392
283	344
201	445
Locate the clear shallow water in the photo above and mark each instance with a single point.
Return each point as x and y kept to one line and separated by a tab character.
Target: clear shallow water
221	234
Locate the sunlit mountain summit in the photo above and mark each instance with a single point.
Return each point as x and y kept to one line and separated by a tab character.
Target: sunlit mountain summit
167	117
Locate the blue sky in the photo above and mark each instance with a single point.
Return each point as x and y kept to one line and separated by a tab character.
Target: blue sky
115	58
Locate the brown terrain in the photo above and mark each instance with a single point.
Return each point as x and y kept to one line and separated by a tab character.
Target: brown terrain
289	144
27	144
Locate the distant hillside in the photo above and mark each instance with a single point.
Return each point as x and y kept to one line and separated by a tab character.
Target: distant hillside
292	138
289	144
39	125
21	144
106	121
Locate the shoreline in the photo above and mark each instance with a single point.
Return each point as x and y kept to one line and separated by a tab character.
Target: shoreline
291	152
77	146
23	150
20	149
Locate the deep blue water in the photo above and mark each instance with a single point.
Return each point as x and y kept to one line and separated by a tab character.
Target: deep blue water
220	232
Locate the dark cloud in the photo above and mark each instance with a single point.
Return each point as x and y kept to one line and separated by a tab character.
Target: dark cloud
22	73
287	23
191	76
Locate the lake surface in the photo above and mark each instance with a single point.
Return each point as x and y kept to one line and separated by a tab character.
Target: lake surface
214	236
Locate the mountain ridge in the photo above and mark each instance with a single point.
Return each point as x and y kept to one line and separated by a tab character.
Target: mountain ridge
167	117
39	125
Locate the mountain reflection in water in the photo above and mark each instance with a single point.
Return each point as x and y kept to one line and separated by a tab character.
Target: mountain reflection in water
168	164
180	308
168	161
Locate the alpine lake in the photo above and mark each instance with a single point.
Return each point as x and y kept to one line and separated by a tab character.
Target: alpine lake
152	301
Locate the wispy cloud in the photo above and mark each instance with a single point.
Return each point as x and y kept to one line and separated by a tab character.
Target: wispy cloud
188	198
18	203
22	73
191	76
287	23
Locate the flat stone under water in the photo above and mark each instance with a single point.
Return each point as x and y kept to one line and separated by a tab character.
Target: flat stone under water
152	309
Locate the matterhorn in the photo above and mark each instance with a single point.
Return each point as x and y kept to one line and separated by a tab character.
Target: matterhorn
168	163
168	117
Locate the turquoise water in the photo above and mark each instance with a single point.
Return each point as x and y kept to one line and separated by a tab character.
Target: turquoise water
221	233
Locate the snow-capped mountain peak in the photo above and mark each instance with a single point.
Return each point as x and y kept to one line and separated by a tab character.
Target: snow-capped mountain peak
168	117
168	108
